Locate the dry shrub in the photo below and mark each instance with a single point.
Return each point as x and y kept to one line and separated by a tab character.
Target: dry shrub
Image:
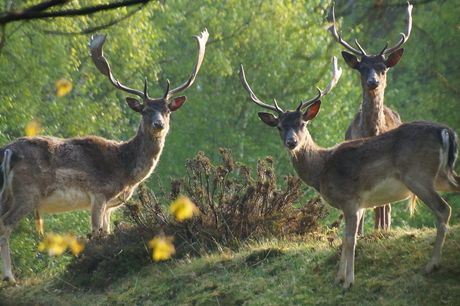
234	206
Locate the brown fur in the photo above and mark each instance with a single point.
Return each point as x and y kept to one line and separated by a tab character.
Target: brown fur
373	117
415	158
55	175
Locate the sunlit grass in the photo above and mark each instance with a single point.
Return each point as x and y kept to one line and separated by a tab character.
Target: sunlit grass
296	271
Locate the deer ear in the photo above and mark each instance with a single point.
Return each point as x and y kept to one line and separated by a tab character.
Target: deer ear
311	111
394	58
269	119
135	105
351	60
176	103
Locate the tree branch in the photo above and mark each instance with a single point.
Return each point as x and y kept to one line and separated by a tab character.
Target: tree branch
36	11
97	28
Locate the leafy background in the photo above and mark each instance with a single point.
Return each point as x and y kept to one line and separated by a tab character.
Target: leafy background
286	51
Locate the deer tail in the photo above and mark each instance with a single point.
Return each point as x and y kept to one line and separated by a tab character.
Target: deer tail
5	170
412	204
39	219
449	155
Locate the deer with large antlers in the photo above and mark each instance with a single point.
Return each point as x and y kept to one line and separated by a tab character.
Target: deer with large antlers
55	175
373	117
415	158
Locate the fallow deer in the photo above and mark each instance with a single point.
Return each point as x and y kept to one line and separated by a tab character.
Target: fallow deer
373	117
415	158
54	175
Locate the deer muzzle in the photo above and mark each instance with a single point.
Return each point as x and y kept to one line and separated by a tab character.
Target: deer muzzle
372	82
159	124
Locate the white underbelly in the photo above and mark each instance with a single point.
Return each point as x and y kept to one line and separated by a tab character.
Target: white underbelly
387	191
65	200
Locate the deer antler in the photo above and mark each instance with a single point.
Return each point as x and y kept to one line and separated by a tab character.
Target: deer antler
405	36
253	96
201	49
338	37
336	73
97	41
361	52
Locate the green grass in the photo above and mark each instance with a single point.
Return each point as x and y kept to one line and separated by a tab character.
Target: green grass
389	271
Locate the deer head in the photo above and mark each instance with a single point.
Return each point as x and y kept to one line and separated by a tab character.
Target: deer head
372	68
292	125
155	112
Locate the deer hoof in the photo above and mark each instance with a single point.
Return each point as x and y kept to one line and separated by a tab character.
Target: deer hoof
10	280
346	286
339	280
431	267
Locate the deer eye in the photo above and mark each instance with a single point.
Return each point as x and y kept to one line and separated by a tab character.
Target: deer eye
303	124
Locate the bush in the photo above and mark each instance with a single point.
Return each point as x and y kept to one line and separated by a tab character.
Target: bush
233	207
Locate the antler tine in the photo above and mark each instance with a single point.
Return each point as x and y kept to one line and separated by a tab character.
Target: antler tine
95	45
384	48
201	50
338	38
405	36
254	99
360	48
337	72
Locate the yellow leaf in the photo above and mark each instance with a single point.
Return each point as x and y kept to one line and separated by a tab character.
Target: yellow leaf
182	208
162	247
56	244
33	128
63	87
75	245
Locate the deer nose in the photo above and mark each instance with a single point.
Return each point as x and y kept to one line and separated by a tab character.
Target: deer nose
372	83
158	124
291	143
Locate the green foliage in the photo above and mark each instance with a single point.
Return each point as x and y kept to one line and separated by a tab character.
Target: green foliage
27	261
284	47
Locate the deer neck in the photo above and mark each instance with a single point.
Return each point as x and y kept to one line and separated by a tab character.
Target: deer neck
309	161
140	154
372	121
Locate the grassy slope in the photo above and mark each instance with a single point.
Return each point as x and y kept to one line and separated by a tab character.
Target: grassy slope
389	271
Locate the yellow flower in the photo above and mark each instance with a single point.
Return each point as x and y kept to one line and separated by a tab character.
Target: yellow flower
34	128
182	208
63	87
162	247
75	245
56	244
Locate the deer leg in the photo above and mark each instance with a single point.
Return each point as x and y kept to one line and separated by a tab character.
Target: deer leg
341	275
387	217
106	221
6	257
361	226
8	220
346	268
441	210
379	214
98	207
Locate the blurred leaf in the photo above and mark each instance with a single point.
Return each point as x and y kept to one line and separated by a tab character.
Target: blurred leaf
33	128
63	87
56	244
162	247
182	208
